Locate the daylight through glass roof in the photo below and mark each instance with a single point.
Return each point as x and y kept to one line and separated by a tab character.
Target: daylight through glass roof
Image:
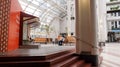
46	10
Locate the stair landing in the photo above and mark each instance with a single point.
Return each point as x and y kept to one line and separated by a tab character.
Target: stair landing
61	56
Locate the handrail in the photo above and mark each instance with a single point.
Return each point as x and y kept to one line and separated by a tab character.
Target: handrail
78	38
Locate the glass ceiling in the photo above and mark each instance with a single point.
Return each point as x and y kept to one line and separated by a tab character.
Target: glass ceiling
46	10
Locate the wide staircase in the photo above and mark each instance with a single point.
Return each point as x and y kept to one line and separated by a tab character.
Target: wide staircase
61	59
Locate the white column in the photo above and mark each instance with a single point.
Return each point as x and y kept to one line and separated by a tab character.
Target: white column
86	27
101	20
117	24
70	13
68	17
73	15
110	25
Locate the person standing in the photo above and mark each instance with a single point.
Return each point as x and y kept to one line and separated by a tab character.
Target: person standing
61	40
53	40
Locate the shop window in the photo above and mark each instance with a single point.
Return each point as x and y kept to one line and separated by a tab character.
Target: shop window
118	13
112	23
115	14
111	14
115	24
112	27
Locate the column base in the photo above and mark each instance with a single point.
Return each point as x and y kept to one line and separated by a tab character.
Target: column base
89	58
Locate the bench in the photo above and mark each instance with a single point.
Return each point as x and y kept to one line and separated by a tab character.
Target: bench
41	40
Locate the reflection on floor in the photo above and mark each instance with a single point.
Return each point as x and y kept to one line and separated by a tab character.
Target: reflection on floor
31	45
111	55
44	49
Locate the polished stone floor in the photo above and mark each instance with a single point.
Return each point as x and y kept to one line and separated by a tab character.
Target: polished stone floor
111	55
44	49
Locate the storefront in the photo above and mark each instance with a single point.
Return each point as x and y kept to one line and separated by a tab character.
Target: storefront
114	36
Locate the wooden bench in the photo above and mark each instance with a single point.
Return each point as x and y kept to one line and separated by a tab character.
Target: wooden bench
71	39
41	40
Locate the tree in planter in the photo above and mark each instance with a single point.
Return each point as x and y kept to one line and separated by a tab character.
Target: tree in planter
48	30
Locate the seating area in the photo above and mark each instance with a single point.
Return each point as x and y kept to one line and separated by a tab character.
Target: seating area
41	40
71	39
68	39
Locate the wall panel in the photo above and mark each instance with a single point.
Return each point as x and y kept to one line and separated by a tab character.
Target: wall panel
4	21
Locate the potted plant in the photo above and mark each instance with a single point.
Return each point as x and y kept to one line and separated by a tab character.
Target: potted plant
48	30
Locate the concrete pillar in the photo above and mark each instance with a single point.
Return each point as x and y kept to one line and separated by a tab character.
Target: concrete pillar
101	20
86	42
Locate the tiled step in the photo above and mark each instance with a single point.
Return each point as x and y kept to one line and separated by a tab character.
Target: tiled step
78	63
66	62
21	58
87	65
25	64
29	47
13	58
51	56
44	61
61	58
71	62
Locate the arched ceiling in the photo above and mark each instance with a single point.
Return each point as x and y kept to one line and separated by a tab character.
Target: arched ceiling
46	10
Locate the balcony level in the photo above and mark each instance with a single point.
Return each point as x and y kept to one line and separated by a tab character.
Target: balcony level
113	3
113	18
112	11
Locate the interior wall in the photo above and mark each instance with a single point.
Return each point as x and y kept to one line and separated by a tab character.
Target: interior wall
67	24
14	25
55	25
63	25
